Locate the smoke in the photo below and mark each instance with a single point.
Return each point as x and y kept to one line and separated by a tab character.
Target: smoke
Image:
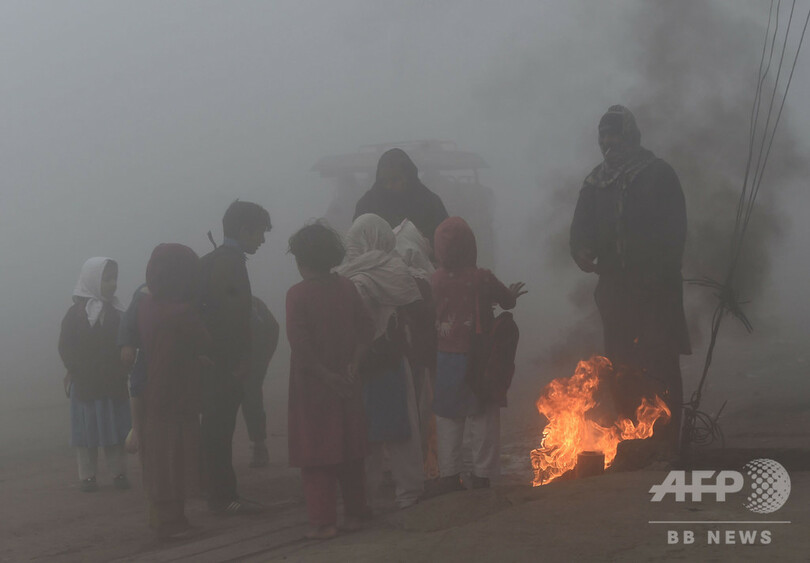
696	79
698	111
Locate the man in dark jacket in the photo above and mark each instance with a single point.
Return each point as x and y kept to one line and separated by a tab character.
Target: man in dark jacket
629	228
398	194
226	304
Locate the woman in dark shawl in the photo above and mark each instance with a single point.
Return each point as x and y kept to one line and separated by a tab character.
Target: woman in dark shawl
398	194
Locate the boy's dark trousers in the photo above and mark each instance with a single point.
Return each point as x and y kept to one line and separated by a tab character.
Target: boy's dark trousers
253	405
221	399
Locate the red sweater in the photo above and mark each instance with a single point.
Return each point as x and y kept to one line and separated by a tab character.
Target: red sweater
456	283
454	294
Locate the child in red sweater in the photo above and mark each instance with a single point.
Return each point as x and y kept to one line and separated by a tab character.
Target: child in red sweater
456	285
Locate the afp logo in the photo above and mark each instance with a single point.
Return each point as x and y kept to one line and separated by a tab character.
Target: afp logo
766	487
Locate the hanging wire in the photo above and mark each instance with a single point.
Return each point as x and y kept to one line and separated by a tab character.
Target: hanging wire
699	427
755	110
758	180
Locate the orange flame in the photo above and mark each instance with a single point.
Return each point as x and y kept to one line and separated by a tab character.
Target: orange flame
565	402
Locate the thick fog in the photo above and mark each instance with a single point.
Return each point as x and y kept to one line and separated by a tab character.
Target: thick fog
129	124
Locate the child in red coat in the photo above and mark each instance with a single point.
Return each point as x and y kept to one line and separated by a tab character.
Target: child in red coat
464	296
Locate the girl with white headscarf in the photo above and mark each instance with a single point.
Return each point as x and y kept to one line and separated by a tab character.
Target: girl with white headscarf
99	403
388	291
377	270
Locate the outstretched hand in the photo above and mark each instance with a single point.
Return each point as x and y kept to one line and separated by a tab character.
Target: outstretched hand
516	289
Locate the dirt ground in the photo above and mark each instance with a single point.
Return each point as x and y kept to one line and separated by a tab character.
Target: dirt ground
43	515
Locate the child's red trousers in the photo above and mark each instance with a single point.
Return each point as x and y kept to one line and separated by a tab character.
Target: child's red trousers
320	491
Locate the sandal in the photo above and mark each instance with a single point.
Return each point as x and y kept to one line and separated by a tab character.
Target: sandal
442	486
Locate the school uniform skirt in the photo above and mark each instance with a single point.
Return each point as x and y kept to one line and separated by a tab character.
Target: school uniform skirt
99	423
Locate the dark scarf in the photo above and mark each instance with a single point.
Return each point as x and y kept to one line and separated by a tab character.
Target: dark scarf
623	163
416	202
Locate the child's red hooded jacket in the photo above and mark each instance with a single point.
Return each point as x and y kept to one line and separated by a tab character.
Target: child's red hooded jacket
455	284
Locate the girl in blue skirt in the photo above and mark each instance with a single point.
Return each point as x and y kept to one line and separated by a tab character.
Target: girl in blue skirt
99	403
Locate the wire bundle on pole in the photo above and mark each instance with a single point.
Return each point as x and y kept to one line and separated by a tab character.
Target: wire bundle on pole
700	428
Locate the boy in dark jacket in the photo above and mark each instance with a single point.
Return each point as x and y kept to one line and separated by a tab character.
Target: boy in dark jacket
226	304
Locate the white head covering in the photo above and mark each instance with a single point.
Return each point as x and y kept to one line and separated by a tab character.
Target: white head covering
381	277
414	249
89	286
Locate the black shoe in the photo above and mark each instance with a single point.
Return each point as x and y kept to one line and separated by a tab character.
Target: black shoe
239	507
479	482
442	486
88	485
121	482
